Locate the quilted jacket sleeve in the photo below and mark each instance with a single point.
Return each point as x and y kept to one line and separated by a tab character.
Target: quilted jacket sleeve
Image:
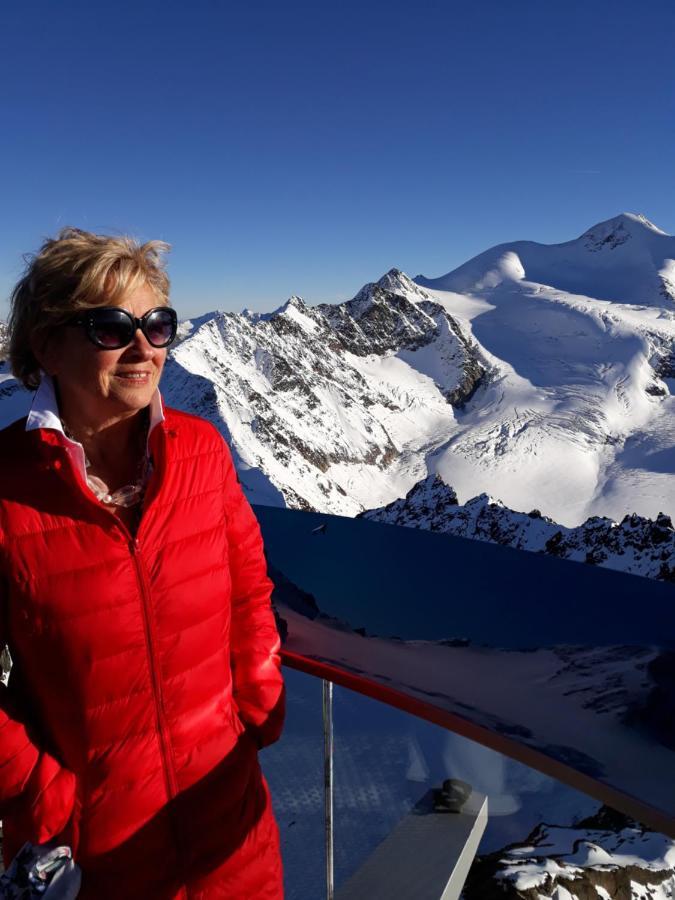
35	790
255	643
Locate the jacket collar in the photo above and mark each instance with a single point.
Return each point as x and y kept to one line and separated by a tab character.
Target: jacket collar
44	414
44	411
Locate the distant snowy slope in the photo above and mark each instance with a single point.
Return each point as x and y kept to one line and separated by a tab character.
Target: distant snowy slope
14	399
577	419
626	259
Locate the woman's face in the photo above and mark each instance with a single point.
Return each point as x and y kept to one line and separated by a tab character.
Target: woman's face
97	387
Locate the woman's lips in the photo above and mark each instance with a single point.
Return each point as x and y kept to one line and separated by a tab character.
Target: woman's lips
134	377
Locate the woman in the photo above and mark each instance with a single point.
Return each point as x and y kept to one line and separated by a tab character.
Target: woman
136	604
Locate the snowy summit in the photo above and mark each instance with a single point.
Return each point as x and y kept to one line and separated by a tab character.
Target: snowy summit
626	259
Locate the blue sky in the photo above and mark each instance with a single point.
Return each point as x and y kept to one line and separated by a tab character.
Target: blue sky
308	147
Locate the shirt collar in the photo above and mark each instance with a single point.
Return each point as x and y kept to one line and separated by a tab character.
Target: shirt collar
44	411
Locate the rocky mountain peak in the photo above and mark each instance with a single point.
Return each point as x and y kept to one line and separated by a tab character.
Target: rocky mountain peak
395	281
294	388
429	500
294	302
614	232
395	315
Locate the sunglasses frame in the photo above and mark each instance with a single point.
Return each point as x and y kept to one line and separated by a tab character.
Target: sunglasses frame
87	319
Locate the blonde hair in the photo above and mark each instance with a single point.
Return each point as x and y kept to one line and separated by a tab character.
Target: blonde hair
73	271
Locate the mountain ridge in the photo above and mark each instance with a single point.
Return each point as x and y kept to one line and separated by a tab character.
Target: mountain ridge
636	545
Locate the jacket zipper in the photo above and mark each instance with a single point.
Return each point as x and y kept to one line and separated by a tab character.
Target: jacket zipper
150	640
161	723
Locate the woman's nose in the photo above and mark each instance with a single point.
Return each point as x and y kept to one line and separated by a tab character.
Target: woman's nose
140	347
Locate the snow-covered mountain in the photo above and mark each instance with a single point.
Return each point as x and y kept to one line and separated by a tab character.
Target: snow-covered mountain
604	856
496	377
331	407
636	544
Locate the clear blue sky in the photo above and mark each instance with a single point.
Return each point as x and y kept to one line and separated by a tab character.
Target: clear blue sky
286	147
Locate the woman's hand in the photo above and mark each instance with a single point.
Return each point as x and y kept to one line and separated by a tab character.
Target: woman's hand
46	870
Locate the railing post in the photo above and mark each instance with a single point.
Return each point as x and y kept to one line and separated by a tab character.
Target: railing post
328	782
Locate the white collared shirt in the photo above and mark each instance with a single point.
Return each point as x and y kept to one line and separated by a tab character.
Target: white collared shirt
44	413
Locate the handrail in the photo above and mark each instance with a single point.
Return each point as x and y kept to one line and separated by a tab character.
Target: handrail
528	756
543	660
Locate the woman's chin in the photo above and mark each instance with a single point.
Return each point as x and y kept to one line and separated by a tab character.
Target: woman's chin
132	395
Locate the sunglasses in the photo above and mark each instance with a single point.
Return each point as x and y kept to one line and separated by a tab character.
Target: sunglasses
112	328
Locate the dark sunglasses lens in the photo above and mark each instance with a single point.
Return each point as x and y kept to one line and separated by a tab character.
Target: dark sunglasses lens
160	327
111	328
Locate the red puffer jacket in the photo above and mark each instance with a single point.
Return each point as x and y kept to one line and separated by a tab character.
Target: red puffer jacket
146	672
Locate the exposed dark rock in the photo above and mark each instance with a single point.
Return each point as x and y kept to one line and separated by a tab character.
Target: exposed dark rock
383	318
548	863
293	500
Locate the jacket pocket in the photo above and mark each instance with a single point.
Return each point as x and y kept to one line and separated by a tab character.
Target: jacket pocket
243	732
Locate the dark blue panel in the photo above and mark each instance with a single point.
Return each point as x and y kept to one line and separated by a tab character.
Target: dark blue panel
420	585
